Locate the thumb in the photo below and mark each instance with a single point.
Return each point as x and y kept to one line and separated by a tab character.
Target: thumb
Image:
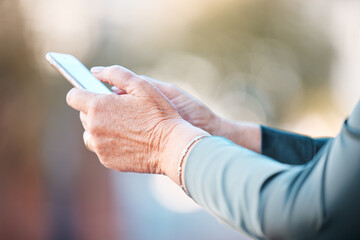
163	87
122	78
170	90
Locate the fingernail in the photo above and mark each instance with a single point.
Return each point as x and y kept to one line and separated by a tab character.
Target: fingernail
96	70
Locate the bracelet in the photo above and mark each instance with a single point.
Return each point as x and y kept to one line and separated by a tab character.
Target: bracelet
185	151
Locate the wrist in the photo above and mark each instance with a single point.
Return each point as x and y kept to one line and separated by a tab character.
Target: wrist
178	139
215	125
224	127
245	134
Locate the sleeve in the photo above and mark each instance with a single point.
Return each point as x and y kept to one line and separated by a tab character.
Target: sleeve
267	199
289	148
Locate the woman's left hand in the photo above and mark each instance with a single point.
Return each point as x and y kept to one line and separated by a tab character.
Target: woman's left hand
138	131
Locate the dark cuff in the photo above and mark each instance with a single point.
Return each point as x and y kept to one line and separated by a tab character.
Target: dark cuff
289	148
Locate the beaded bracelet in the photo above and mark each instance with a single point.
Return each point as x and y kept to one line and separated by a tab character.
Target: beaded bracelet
185	151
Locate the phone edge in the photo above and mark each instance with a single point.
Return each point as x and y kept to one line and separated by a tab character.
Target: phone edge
62	71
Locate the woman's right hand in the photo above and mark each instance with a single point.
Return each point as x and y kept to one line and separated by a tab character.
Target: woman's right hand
192	110
189	108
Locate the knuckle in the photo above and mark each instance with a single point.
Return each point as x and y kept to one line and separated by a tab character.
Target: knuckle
93	124
107	165
114	69
96	104
129	76
94	129
141	83
99	150
104	161
97	147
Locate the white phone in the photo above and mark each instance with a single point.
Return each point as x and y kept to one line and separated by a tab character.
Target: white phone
76	73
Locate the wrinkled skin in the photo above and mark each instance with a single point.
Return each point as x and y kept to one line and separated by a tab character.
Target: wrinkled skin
138	130
189	108
192	110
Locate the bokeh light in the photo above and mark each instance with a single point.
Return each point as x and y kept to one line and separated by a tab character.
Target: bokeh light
288	64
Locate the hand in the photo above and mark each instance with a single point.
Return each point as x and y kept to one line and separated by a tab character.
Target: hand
190	109
137	131
244	134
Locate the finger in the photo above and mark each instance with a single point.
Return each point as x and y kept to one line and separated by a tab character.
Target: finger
87	141
117	76
117	90
83	119
162	86
123	79
157	83
79	99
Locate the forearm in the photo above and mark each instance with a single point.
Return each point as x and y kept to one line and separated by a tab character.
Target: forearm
226	180
271	142
267	199
247	135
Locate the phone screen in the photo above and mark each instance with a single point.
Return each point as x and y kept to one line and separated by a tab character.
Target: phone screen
75	72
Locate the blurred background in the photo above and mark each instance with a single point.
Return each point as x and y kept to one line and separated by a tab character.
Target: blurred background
288	64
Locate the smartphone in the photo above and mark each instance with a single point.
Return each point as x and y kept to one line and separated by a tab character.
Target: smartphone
76	73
